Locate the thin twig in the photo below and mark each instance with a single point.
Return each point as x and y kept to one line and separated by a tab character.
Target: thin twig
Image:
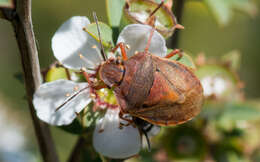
20	17
178	6
76	153
83	150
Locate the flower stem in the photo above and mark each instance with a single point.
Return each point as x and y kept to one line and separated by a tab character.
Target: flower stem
83	150
178	6
76	153
20	17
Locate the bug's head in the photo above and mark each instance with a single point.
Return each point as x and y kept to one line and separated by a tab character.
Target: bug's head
112	72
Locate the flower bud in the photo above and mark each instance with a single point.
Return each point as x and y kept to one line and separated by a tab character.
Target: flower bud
139	12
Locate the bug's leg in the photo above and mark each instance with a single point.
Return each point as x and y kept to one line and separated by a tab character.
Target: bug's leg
149	41
68	74
175	52
122	47
86	76
121	116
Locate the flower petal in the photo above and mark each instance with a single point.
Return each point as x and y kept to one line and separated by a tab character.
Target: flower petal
136	36
113	142
70	41
49	96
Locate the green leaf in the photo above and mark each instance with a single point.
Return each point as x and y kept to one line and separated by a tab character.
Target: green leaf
185	59
85	121
114	11
74	128
241	112
223	10
105	31
56	73
231	156
7	3
90	117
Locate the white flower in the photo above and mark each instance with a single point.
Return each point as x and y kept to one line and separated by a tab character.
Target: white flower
76	49
113	142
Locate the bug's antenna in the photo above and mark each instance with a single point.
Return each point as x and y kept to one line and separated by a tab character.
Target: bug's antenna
149	40
70	98
99	37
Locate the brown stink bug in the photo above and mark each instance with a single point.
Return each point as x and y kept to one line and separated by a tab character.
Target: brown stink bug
155	89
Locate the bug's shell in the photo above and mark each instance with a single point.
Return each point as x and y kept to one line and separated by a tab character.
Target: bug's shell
159	90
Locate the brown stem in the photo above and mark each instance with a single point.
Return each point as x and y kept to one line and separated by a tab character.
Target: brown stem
76	153
83	150
178	10
20	17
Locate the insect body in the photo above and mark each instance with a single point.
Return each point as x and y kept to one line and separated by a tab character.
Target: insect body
155	89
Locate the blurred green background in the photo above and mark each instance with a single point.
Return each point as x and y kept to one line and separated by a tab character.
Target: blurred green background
202	34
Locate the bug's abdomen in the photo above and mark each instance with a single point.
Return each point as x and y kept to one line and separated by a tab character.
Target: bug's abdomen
175	97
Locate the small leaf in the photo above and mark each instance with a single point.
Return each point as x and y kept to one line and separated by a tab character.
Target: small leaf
223	9
231	156
74	128
114	11
105	31
6	4
241	112
56	73
85	121
185	59
90	117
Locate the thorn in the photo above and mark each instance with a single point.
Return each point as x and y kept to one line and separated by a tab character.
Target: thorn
179	26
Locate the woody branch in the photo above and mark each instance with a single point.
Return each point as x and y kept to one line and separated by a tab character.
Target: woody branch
20	17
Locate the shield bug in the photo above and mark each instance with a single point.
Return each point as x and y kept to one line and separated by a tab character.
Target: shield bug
157	90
